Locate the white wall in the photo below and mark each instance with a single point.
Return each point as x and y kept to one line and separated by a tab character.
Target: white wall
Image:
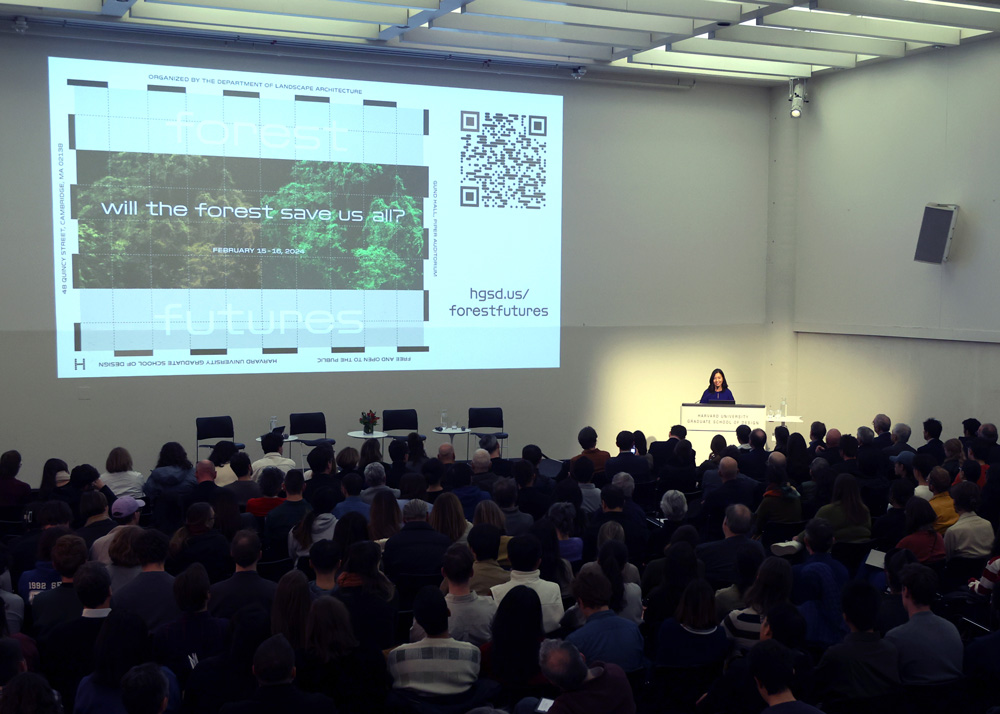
663	275
874	146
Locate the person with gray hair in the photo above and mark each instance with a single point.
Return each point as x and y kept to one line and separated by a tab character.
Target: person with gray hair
417	549
719	556
586	687
881	424
626	483
674	505
375	481
482	473
900	440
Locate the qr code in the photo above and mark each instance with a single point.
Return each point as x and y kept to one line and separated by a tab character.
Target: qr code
503	160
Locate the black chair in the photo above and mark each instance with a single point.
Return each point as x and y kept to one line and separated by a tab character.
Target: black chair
646	497
409	584
852	555
775	532
958	571
274	569
869	705
309	423
676	690
934	698
217	428
400	419
486	418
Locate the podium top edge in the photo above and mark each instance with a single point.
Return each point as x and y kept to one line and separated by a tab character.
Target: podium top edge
725	406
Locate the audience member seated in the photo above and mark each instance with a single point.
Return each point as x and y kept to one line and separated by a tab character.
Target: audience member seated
954	455
735	692
149	595
817	583
612	510
525	557
626	483
272	445
43	577
282	518
221	458
369	596
335	664
351	485
61	604
94	512
939	483
772	666
605	636
719	557
562	516
511	655
923	541
586	687
274	669
324	560
587	438
678	567
290	611
438	665
891	612
468	494
847	513
216	681
753	461
244	486
416	455
929	647
692	638
483	476
582	472
919	468
374	475
29	693
399	454
732	490
24	552
322	471
417	549
612	561
118	683
553	567
970	536
126	513
195	634
433	473
748	559
124	565
863	666
173	473
934	447
145	689
206	490
67	648
772	587
13	492
781	503
197	542
531	498
484	542
245	587
469	614
270	481
626	461
505	496
900	436
316	525
891	527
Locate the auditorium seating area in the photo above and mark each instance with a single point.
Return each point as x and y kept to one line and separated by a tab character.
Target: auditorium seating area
411	583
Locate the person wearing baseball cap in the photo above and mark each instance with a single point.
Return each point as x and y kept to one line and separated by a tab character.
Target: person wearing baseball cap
125	511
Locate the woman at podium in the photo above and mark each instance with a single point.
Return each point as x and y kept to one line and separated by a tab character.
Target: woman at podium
718	390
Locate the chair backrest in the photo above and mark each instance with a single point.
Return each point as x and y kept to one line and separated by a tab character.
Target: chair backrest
395	419
852	555
307	423
775	532
217	427
480	417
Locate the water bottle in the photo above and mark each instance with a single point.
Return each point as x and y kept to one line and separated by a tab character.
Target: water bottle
272	423
444	418
784	407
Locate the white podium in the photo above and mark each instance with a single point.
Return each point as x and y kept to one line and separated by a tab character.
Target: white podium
703	421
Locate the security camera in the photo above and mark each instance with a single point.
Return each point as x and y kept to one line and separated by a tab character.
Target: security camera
578	72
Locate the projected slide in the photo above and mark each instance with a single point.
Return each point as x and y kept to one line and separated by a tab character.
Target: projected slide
220	222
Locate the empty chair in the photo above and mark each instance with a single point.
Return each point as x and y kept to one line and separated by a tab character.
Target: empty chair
400	420
309	423
215	428
487	418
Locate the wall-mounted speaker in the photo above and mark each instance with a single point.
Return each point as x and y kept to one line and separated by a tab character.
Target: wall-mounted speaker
936	231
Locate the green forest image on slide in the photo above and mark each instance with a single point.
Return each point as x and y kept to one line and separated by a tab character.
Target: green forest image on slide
165	221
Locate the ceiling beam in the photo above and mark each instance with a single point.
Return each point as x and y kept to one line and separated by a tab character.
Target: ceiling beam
863	26
444	39
721	48
551	30
327	9
548	12
811	40
419	18
916	12
683	59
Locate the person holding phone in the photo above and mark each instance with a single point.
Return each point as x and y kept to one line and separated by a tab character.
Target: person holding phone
718	389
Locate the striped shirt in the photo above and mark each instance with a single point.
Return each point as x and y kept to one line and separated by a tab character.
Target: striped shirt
743	627
991	573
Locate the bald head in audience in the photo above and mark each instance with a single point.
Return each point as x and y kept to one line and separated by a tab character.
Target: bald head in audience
728	469
446	454
481	461
204	471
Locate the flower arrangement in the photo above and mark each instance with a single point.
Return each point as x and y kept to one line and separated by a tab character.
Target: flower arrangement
368	421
